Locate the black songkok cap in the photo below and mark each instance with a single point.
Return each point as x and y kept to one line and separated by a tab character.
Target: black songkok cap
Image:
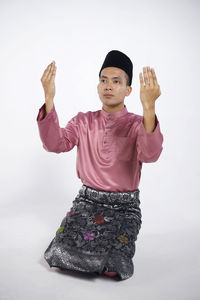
120	60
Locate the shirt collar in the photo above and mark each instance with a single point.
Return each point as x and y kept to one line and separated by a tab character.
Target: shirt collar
114	115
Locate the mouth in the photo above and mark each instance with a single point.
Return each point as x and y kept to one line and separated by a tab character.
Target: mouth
108	95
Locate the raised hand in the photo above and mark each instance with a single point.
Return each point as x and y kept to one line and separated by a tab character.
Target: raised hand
149	88
48	81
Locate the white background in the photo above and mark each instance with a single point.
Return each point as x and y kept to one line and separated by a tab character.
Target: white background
37	187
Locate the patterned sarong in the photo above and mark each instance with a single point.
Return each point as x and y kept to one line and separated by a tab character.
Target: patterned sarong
98	233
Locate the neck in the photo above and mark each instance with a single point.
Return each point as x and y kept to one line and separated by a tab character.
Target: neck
114	108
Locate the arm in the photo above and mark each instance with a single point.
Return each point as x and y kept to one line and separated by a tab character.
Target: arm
149	137
149	145
54	138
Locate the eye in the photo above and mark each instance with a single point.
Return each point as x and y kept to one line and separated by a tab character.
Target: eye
102	80
116	80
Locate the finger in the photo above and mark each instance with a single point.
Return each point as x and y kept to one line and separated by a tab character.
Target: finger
150	77
46	72
141	80
51	69
145	76
51	72
154	77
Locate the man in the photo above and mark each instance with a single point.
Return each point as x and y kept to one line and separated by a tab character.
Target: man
98	234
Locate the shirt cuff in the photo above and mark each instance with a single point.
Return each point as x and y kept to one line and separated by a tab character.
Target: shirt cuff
41	114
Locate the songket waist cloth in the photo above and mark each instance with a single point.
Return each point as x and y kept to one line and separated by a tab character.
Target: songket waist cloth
98	233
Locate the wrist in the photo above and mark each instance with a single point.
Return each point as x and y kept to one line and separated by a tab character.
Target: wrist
48	99
149	109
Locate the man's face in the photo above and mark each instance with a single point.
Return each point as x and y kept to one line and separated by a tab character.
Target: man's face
113	81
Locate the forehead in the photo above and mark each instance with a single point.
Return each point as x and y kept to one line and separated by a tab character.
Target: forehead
111	72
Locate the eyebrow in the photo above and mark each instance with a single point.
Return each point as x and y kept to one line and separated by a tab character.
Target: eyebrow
103	76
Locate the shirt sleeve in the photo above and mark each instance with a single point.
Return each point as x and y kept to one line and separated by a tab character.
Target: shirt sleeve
54	138
149	145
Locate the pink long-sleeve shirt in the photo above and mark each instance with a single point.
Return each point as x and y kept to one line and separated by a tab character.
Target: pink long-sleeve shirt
111	147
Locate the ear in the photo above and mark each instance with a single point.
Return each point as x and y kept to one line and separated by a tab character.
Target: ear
128	90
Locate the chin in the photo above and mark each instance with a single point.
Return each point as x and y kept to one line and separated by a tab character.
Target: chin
112	102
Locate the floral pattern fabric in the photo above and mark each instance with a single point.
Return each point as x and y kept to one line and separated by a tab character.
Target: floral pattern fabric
97	233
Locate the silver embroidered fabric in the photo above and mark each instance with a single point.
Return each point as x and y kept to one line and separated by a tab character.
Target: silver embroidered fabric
98	233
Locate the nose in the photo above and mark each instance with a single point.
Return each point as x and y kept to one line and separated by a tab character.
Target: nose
108	86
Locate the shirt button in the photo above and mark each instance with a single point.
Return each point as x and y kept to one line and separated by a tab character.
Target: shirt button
106	132
104	142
